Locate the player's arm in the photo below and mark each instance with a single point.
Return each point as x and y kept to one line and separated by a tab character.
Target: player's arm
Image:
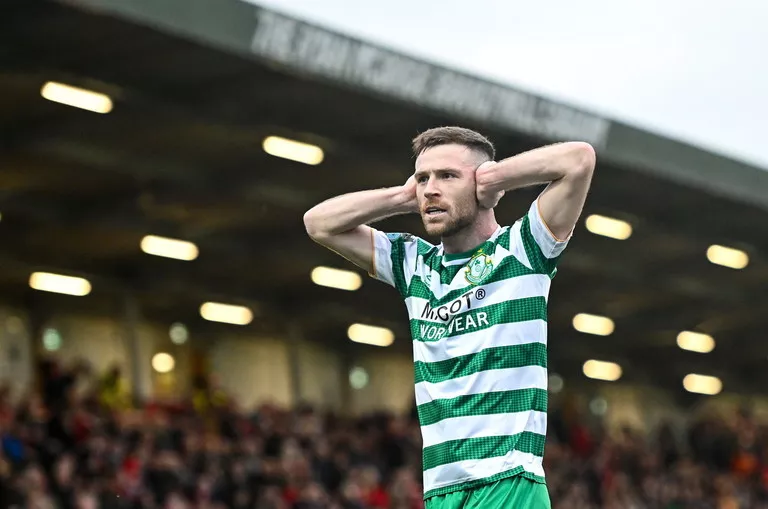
340	223
566	167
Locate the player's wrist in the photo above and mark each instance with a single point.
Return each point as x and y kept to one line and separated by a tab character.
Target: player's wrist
404	201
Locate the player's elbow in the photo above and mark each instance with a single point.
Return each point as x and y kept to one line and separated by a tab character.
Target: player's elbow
313	224
584	159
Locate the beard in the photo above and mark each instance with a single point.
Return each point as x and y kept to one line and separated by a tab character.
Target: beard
458	217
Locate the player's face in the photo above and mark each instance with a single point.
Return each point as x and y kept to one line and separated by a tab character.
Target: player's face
446	189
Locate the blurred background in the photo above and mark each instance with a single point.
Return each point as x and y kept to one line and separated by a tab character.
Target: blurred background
171	338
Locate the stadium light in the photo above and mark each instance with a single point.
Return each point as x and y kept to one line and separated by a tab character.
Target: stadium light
727	257
602	370
695	342
608	227
52	340
293	150
336	278
226	313
163	362
57	283
178	333
169	248
593	324
556	383
702	384
76	97
370	335
358	378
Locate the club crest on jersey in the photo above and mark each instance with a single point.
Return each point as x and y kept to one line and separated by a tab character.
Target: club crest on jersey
478	268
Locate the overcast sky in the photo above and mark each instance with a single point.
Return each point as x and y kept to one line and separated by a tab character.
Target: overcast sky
696	70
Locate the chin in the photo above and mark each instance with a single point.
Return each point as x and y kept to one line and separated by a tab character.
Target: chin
442	229
447	228
435	230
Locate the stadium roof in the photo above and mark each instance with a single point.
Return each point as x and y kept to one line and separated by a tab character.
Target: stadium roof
197	85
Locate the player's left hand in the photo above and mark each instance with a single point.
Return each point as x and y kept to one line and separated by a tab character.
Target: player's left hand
487	200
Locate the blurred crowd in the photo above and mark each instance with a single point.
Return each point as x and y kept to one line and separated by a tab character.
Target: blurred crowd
65	447
718	463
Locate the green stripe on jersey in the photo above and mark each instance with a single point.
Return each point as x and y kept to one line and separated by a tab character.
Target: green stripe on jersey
483	481
447	274
502	357
500	402
423	248
504	238
398	258
539	262
482	448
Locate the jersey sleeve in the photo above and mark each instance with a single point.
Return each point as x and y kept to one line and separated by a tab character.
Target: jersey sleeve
541	246
394	257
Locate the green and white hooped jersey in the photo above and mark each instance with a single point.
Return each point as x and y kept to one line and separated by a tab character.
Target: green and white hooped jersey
479	328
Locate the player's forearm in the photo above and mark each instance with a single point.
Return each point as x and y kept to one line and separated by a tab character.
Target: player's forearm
540	166
348	211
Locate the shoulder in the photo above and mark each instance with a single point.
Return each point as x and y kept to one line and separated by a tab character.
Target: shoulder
402	237
407	239
408	245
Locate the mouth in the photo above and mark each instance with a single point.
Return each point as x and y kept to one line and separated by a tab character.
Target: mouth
434	211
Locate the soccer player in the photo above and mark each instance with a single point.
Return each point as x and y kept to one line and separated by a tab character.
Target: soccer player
477	303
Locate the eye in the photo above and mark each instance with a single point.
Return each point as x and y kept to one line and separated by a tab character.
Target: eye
422	179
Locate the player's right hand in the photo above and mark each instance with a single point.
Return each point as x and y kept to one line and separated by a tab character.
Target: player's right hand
486	199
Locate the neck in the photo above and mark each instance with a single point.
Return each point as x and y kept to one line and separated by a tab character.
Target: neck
473	235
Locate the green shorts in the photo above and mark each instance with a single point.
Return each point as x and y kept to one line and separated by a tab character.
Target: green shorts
512	493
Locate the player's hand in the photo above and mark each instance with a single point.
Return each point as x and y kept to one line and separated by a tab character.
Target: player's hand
409	195
486	199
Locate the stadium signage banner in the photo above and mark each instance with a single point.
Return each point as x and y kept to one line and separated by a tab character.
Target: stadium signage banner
309	49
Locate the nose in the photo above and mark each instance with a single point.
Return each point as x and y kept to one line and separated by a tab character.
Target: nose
431	188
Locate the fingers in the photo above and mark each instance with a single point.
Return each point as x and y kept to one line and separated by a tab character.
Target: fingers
485	165
491	202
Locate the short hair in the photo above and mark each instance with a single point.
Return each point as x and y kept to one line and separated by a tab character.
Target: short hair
453	135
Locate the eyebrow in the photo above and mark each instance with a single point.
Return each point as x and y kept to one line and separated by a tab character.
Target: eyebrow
419	173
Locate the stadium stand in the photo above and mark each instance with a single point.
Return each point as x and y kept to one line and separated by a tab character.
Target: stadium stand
71	446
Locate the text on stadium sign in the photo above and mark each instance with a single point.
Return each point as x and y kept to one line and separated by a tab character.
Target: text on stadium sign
307	48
